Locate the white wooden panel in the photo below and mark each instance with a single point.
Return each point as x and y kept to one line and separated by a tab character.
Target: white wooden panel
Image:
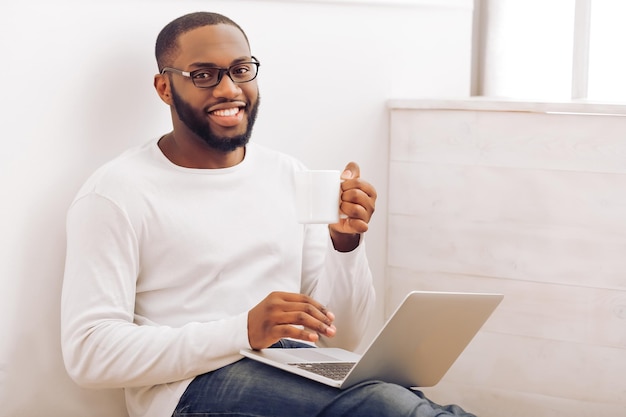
478	104
545	343
510	139
543	366
545	253
511	195
532	205
537	310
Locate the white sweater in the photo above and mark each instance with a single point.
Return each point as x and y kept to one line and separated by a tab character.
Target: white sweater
164	263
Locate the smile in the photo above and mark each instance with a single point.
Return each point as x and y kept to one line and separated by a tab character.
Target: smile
225	112
228	117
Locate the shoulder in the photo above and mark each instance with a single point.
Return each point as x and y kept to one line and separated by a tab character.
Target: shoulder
122	173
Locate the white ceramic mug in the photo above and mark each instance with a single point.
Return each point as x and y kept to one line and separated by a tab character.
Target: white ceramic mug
317	196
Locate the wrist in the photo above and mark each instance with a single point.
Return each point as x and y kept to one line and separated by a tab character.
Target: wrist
344	242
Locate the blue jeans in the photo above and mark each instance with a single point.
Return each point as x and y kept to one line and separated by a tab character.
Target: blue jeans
251	389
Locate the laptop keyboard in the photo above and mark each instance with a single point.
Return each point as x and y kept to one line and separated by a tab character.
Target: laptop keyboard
333	370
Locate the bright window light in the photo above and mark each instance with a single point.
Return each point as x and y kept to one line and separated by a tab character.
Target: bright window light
607	60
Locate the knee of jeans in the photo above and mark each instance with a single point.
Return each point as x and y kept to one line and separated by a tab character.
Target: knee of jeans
375	388
380	391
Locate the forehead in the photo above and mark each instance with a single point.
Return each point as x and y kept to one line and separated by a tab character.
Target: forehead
219	44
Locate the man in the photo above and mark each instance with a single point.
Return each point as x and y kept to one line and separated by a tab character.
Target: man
184	250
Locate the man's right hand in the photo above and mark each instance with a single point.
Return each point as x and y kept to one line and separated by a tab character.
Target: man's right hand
277	316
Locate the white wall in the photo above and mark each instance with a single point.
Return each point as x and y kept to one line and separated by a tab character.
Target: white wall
77	90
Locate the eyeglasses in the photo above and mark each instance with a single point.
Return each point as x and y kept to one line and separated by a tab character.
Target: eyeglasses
208	77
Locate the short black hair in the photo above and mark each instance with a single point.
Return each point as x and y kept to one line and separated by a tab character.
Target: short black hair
167	42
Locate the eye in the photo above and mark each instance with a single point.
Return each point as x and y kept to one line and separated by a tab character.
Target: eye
204	73
241	69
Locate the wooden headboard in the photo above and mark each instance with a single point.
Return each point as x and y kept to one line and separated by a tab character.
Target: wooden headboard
527	199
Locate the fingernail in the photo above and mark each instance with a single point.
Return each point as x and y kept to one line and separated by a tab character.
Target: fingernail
346	174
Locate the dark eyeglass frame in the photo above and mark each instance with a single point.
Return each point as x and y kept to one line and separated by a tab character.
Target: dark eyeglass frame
221	71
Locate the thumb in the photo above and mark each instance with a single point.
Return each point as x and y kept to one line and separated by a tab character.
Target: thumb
351	170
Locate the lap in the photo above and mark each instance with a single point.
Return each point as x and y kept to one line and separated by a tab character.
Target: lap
249	388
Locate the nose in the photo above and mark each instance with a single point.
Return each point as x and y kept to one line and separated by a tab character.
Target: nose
226	87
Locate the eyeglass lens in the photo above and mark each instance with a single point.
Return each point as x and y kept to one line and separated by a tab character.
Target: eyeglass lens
211	76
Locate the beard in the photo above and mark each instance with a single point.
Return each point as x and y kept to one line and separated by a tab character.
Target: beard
199	125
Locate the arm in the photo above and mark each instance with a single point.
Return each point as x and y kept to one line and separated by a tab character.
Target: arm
335	305
351	297
102	344
336	280
348	292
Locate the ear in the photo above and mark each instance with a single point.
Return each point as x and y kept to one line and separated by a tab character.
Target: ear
162	87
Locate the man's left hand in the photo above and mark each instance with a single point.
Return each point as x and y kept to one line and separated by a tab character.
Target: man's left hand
357	204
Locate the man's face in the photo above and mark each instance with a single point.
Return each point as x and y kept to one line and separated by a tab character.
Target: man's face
198	123
222	116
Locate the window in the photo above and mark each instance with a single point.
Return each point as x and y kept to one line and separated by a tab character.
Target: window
551	49
607	60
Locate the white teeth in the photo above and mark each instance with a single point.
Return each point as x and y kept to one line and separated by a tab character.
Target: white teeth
226	112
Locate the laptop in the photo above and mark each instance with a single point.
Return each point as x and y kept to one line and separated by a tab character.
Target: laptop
415	348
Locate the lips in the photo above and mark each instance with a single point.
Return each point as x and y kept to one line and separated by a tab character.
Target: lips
227	114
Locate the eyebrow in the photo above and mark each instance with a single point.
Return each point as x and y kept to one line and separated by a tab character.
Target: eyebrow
212	64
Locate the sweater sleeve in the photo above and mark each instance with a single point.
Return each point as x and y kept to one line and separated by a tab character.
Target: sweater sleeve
102	345
343	282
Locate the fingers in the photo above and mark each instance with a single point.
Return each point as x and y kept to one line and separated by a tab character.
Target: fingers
358	201
282	315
